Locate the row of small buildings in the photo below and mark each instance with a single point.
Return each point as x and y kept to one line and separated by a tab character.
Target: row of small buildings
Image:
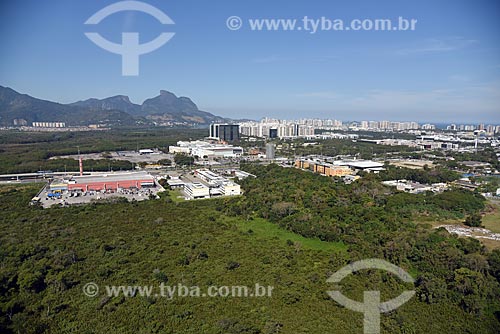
213	185
49	124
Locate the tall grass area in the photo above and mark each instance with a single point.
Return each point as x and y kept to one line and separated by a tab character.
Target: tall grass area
491	220
263	229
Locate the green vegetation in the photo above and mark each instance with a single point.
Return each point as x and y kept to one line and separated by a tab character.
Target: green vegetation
487	154
487	184
24	152
176	196
317	207
451	204
183	160
473	220
426	176
291	230
165	162
491	220
262	228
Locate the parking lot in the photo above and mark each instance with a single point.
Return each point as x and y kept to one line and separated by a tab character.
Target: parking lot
66	198
131	156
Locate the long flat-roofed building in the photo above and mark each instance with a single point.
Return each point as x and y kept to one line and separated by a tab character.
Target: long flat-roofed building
111	181
210	177
323	168
364	165
205	149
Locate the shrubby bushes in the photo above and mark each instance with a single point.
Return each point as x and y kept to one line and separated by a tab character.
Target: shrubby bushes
426	176
48	255
376	222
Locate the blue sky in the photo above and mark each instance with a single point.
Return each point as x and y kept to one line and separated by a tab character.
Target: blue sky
447	70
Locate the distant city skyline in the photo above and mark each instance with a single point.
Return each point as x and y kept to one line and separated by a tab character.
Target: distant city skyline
445	71
305	126
330	118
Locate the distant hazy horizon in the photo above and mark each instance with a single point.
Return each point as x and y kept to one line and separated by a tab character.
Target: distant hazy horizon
446	70
306	115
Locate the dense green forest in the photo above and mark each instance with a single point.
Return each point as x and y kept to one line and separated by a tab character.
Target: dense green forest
319	207
48	255
427	175
24	152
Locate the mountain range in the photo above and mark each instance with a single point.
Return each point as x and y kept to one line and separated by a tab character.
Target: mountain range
164	109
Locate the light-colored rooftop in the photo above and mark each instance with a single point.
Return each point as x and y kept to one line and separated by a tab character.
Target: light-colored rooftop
196	185
113	177
364	164
175	182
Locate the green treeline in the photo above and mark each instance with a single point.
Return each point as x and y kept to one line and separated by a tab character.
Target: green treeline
24	152
425	176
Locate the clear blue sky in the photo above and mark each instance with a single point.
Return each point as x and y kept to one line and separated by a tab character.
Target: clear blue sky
446	70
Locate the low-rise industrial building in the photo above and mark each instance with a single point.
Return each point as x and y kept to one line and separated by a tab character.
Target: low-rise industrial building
146	151
176	183
57	187
77	190
240	174
113	181
206	149
204	183
364	165
179	149
229	188
323	168
196	190
415	187
210	177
